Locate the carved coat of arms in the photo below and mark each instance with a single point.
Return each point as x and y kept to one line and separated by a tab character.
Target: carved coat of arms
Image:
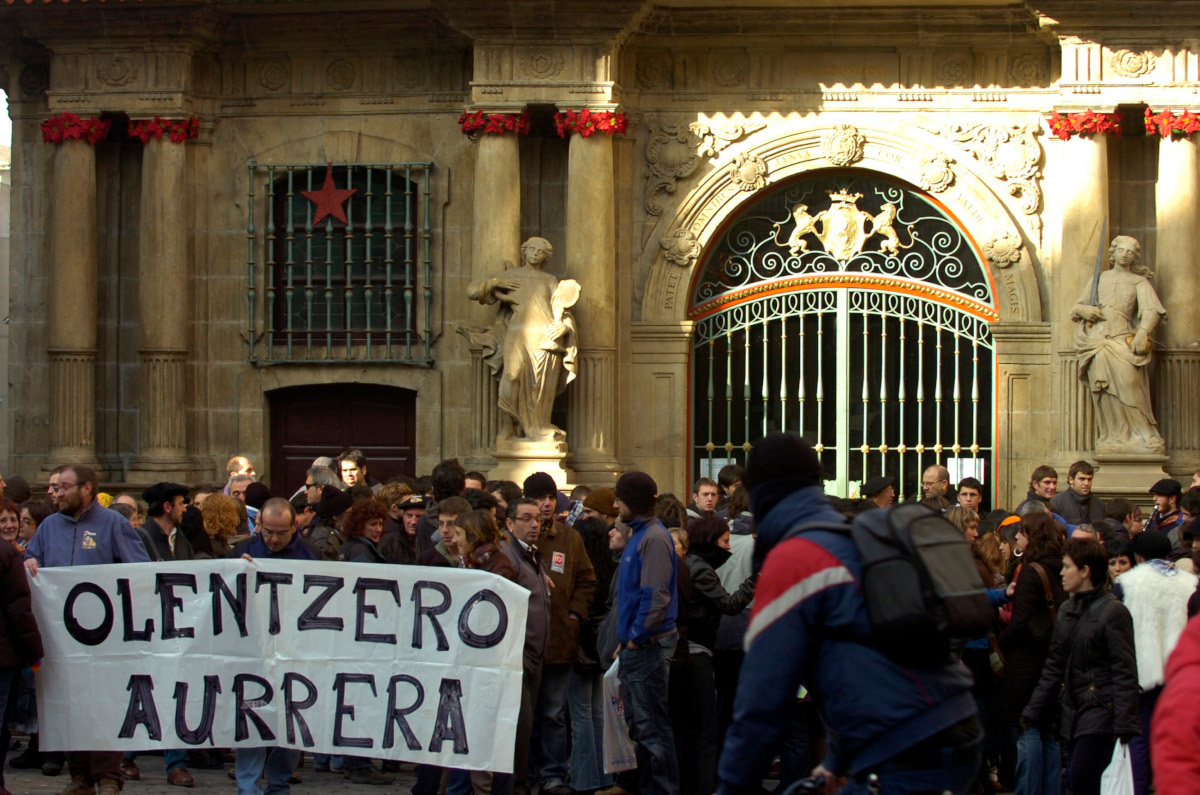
843	228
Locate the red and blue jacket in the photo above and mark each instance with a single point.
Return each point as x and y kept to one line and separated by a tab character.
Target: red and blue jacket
810	627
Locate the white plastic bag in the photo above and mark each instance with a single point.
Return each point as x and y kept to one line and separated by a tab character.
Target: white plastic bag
1117	778
619	753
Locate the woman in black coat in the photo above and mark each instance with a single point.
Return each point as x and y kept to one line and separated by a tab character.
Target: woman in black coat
20	641
363	528
1093	665
1025	643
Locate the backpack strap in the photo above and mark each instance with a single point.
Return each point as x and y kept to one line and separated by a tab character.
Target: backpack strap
1046	590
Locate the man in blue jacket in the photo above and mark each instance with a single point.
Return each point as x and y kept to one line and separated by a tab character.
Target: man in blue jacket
84	532
647	605
916	730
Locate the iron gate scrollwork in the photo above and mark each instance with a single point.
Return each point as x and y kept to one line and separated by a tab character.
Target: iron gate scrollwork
853	311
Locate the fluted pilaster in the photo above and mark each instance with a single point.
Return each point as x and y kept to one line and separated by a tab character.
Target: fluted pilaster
72	406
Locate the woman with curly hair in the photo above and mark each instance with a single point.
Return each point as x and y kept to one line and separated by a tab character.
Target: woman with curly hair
1025	643
10	521
362	529
221	520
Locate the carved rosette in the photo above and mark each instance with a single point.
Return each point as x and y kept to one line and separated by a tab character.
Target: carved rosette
1127	63
275	75
715	137
411	72
1028	69
937	173
654	70
542	63
843	146
1003	249
340	74
116	70
730	69
680	247
953	70
748	172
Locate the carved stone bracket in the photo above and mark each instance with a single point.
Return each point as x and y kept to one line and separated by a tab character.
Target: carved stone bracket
680	247
937	172
1003	249
1012	155
748	172
673	153
843	146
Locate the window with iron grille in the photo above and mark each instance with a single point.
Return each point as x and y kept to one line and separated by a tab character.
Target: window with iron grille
344	262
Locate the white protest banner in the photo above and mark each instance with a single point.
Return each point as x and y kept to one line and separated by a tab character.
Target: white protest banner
397	662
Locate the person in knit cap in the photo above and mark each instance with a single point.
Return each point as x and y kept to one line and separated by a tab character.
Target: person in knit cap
917	729
599	505
647	606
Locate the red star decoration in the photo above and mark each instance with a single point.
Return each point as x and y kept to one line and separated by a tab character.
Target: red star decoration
329	200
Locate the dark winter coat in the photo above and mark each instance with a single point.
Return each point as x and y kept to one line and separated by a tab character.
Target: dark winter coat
708	599
20	641
488	557
1078	509
1096	674
1025	642
396	546
361	549
325	542
566	561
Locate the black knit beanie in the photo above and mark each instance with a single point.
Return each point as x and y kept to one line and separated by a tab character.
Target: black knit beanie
638	491
781	456
539	484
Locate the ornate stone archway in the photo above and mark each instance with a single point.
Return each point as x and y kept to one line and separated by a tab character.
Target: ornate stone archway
967	166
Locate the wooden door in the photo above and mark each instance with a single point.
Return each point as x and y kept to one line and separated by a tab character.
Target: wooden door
311	421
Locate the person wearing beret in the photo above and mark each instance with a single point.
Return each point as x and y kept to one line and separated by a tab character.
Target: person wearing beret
880	490
1167	517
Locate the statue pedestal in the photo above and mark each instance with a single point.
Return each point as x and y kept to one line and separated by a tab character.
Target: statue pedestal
517	460
1128	475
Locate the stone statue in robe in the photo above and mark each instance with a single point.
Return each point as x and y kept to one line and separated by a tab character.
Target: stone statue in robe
1112	337
533	343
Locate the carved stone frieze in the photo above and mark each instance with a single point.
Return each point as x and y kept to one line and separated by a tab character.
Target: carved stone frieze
116	70
1003	249
654	68
542	63
275	75
671	156
680	247
1130	64
716	136
843	146
748	172
937	172
1010	152
341	74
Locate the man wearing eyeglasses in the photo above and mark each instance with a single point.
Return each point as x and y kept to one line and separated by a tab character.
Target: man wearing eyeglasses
82	533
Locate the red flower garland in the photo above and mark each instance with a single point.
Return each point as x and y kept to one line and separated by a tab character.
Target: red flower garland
1167	124
586	122
57	129
495	123
1064	125
179	130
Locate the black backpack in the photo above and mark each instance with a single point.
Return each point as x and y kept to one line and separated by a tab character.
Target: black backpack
919	582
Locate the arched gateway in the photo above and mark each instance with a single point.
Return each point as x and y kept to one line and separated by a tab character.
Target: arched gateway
916	330
853	309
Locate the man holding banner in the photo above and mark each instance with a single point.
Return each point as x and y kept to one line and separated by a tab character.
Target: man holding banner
83	532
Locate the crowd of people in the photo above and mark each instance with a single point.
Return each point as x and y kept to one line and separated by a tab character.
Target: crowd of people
742	640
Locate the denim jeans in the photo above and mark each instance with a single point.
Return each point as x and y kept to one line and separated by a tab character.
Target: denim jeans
1039	764
550	726
644	682
586	700
949	768
277	763
174	759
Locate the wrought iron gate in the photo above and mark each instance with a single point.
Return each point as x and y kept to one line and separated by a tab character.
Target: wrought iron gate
866	331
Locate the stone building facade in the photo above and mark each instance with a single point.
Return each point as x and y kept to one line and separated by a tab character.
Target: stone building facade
944	173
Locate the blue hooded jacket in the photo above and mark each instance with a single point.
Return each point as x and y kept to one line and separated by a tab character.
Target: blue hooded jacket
810	627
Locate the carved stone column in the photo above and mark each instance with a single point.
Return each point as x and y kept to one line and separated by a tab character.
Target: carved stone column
1177	206
1084	208
73	291
164	308
591	260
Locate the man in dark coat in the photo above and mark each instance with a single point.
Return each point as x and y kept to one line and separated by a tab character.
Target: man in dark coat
1077	504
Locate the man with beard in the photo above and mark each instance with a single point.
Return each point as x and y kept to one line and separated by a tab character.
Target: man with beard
82	533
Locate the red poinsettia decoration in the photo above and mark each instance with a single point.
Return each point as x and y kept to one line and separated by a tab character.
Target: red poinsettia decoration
495	123
586	122
1064	125
179	130
57	129
1168	124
